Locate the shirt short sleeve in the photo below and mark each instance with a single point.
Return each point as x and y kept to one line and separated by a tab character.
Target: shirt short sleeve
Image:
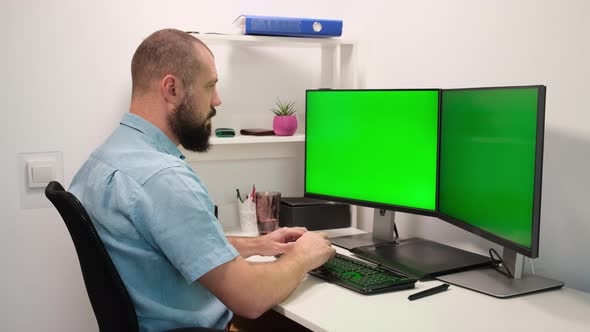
175	214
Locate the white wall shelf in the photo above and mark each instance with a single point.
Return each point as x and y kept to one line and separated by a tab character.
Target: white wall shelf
247	139
266	41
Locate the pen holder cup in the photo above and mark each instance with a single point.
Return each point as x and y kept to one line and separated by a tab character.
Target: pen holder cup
247	212
267	211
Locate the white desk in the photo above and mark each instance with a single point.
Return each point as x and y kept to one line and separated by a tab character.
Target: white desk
321	306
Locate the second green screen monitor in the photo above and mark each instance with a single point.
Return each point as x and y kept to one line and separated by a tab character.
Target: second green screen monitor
490	155
376	146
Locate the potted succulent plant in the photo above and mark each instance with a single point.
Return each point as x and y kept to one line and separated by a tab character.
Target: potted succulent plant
285	121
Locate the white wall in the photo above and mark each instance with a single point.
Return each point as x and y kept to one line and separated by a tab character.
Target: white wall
65	84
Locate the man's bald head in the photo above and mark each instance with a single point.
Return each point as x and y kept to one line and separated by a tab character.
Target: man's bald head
166	51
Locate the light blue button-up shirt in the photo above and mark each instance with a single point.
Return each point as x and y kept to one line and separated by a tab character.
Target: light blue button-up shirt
156	221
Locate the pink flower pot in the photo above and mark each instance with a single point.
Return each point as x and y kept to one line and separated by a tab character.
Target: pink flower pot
284	125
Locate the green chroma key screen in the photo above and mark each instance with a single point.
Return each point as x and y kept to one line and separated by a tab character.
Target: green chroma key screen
376	146
487	159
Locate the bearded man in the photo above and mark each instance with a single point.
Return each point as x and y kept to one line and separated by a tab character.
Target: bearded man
154	215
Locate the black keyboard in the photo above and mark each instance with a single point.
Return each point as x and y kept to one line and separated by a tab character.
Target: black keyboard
361	277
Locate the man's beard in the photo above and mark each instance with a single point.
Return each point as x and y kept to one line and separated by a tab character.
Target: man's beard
193	136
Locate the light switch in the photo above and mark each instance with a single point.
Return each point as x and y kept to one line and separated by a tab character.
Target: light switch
38	169
40	173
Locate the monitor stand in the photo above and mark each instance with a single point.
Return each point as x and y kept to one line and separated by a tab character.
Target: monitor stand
492	282
415	257
383	232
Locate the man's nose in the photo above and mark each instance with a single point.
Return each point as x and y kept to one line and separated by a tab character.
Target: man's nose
216	101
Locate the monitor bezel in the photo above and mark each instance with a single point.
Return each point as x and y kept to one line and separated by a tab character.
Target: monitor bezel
390	207
533	251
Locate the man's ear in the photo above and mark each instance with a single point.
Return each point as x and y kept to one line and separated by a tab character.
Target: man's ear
172	89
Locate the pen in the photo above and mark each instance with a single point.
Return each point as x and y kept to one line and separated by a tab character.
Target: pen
428	292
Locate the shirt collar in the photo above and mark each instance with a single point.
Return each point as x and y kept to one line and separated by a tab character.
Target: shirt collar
154	133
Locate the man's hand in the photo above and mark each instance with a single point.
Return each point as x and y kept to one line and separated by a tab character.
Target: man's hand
313	250
237	282
279	241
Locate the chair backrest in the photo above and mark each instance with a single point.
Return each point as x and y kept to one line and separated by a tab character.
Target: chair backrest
110	301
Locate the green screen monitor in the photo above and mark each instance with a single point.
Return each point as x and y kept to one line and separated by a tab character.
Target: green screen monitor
376	148
491	152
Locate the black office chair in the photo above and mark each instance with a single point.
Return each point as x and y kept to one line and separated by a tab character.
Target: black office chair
108	296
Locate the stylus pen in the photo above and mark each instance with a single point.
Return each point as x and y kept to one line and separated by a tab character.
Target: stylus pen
428	292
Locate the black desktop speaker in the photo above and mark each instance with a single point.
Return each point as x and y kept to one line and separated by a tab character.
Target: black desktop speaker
313	214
